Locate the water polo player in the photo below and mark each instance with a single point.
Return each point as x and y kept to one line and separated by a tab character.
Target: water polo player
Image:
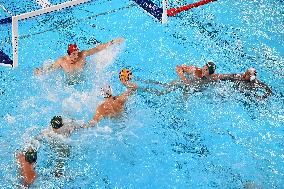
207	71
75	59
113	106
27	162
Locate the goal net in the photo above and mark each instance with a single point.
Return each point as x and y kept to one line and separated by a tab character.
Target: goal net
11	14
162	9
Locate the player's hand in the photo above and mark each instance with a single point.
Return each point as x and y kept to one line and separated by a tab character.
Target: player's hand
37	72
118	40
131	85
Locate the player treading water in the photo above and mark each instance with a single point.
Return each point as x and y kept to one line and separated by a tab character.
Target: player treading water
74	62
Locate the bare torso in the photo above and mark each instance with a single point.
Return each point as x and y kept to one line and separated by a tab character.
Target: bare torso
27	170
68	66
111	107
197	73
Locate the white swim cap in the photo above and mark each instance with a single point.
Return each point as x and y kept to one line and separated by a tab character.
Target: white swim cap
252	72
106	91
252	78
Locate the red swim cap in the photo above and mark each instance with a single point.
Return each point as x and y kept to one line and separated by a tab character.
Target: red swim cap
72	48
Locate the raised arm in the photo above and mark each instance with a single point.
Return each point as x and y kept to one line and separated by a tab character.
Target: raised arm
131	88
102	46
182	69
52	67
97	117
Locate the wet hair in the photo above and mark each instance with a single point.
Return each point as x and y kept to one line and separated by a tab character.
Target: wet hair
211	67
31	156
56	122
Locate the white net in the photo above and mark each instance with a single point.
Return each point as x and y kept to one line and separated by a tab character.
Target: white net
5	37
19	11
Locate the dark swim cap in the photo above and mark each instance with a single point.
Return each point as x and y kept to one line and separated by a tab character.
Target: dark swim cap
31	156
211	67
56	122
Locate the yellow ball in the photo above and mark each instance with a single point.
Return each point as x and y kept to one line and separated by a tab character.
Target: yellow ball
125	75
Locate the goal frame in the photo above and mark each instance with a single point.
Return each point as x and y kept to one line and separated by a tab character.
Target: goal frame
17	18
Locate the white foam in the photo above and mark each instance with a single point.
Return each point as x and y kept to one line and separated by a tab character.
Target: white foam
239	45
106	91
105	129
10	119
47	63
27	139
29	103
43	3
281	117
79	102
52	97
35	144
70	105
106	57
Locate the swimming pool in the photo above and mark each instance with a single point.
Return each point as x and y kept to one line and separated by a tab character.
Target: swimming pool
217	138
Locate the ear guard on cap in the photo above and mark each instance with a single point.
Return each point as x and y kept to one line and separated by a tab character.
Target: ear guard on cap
72	48
253	73
106	91
31	156
211	67
56	122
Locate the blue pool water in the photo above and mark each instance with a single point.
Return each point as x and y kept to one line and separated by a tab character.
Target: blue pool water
215	138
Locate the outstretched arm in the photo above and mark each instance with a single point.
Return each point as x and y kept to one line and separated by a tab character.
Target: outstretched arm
167	87
97	117
73	125
228	77
52	67
131	88
248	75
102	46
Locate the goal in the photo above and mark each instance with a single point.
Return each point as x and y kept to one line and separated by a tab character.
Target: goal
11	23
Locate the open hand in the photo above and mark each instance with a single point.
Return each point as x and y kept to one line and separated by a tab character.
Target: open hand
131	85
118	40
37	71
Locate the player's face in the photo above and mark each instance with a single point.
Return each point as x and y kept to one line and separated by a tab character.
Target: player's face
74	56
205	71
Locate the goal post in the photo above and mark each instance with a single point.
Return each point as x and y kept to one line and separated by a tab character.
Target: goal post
5	29
15	23
165	12
162	13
